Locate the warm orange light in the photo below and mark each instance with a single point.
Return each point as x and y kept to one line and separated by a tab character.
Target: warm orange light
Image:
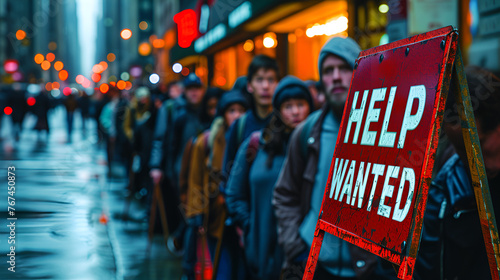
50	57
126	34
144	49
128	85
158	43
56	85
20	34
221	81
121	84
170	39
63	75
97	68
96	77
52	46
143	25
79	79
112	83
58	66
104	88
48	86
111	57
104	65
45	65
39	58
248	46
185	71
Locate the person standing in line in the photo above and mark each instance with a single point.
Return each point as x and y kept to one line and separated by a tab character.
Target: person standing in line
252	179
298	193
206	209
262	78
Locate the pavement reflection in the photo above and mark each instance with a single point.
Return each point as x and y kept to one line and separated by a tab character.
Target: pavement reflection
70	222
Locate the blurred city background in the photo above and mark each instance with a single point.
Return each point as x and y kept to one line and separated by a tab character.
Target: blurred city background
78	218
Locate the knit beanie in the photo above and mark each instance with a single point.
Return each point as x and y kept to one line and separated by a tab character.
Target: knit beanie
345	48
228	99
291	87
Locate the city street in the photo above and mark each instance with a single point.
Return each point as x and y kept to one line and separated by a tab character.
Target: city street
69	215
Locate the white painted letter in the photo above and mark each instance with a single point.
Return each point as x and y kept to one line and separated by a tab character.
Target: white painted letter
361	183
387	139
377	170
392	172
356	115
408	175
348	183
338	177
368	137
410	122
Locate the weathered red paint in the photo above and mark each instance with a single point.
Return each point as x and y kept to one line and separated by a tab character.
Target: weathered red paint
427	60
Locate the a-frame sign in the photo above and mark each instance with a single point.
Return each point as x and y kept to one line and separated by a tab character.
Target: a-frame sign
381	170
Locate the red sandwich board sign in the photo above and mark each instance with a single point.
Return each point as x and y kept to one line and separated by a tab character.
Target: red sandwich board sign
384	155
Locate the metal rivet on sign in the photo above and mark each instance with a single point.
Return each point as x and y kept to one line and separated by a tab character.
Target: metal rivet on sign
407	51
443	44
381	58
310	140
360	263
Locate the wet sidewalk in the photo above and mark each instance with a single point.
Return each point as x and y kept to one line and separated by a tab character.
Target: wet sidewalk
69	215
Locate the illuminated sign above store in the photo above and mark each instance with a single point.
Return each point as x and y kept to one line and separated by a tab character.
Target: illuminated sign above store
240	14
330	28
211	37
187	27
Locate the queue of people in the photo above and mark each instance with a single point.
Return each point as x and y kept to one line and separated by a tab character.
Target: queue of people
242	173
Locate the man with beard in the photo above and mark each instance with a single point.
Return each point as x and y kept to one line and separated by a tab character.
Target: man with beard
299	190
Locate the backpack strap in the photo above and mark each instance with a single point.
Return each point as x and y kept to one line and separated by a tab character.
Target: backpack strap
306	131
241	128
253	147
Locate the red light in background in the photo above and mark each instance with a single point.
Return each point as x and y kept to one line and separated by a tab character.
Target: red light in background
50	57
67	91
185	71
104	88
31	101
128	85
7	110
55	85
187	27
112	83
96	77
48	86
10	65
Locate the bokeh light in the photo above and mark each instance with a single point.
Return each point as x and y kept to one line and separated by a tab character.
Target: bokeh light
126	34
31	101
39	58
111	57
7	110
177	67
248	46
154	78
121	85
63	75
158	43
96	77
50	57
55	85
104	88
20	34
80	79
125	76
144	49
143	25
45	65
58	65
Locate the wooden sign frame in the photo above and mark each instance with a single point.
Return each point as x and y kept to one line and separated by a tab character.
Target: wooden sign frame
406	260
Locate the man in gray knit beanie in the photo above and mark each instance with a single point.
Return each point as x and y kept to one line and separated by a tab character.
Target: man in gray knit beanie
298	193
